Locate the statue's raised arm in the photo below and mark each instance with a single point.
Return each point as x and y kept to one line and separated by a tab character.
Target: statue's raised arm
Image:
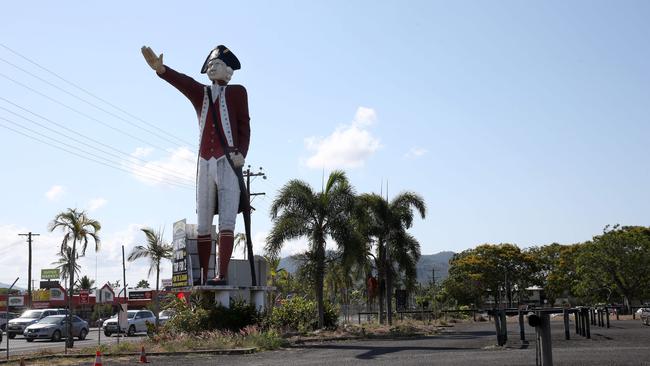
155	62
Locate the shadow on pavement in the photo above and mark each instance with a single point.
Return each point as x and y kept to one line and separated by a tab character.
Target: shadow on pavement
375	351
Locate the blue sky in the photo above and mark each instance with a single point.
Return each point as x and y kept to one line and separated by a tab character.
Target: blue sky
517	121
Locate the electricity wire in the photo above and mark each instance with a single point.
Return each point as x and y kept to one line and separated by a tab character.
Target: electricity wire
110	164
176	174
81	113
89	93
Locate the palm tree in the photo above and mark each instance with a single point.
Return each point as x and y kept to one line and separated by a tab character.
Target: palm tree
156	250
64	262
240	240
274	273
85	283
298	212
78	228
385	225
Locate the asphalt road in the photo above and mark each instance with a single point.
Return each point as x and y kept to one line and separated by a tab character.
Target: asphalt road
19	346
625	343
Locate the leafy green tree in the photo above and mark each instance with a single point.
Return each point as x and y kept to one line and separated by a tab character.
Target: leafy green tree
490	270
299	212
385	225
142	284
616	261
78	228
156	250
556	265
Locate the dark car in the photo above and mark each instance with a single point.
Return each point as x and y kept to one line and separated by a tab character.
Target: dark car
29	317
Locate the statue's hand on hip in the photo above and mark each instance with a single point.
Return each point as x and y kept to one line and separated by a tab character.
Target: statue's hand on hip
237	159
155	62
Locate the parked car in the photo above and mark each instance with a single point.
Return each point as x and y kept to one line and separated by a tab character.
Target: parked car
55	327
165	315
645	316
29	317
3	319
137	323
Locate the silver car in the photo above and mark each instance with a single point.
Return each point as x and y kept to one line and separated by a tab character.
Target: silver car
55	327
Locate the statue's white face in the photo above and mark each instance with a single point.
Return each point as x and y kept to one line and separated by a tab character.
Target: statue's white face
218	71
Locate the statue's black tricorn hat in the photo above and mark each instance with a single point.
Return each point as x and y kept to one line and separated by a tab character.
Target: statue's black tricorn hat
225	55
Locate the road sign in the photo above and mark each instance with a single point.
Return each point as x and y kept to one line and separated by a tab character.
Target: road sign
83	297
50	274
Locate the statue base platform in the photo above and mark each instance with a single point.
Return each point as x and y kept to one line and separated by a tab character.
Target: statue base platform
224	294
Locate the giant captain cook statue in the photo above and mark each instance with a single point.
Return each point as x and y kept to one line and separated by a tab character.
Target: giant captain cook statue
222	110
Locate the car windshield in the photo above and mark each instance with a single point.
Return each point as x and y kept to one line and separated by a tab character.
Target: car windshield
51	320
131	315
32	314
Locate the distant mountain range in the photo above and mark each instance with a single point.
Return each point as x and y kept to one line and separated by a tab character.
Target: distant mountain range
6	285
429	263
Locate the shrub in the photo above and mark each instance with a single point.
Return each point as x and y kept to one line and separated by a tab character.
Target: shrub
196	319
300	314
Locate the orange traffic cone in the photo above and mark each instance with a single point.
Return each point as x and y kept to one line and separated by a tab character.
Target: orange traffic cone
98	358
143	356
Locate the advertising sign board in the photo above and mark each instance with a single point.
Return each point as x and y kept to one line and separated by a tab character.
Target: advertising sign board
56	294
180	265
83	297
16	301
50	274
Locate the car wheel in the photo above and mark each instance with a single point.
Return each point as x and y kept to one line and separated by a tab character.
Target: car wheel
108	334
11	335
131	331
56	336
82	334
29	339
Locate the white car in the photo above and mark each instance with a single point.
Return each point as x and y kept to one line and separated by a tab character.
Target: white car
137	323
165	315
644	314
17	326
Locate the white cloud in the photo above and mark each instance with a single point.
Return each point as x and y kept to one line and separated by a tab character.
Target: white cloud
96	203
349	146
55	193
416	152
176	167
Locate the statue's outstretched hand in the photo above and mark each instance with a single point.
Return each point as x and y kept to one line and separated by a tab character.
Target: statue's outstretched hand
237	159
155	62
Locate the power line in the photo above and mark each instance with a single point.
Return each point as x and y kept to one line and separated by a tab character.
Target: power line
161	180
92	104
175	174
87	92
80	113
89	153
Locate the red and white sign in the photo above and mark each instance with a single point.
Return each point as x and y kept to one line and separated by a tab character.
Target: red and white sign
83	297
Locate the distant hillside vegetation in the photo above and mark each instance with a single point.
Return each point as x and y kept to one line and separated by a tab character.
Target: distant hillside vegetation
428	262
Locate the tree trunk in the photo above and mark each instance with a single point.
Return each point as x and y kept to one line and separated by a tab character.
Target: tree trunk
320	279
157	304
381	273
389	286
69	341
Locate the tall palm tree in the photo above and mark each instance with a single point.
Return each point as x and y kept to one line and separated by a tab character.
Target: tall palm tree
298	212
385	226
78	228
64	262
156	250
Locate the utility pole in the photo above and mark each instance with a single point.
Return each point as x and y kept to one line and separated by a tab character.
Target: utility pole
248	174
29	267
